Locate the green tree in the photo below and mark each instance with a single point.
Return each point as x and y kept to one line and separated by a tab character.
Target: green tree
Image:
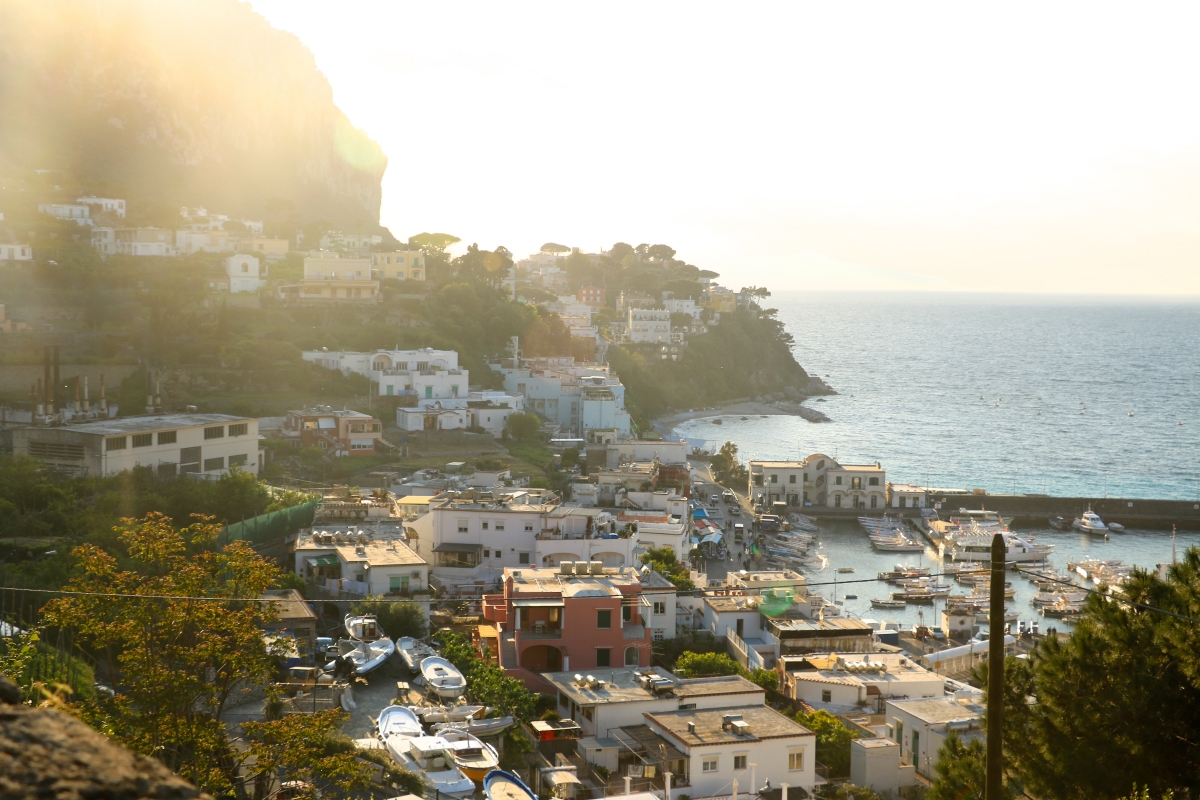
1130	672
522	425
177	660
961	770
833	740
570	458
489	685
306	748
396	619
692	665
663	561
766	678
551	247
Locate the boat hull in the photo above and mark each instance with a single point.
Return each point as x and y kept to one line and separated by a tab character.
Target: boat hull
501	785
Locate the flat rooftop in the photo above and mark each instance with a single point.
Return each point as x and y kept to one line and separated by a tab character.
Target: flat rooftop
542	581
390	552
935	710
846	668
156	422
290	603
622	686
831	625
763	723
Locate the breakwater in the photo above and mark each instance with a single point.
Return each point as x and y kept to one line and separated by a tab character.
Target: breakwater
1034	510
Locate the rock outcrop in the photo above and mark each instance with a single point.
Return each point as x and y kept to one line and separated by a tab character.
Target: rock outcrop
49	754
170	103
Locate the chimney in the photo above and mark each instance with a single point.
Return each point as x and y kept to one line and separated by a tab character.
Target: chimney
45	389
78	400
87	406
149	391
38	407
157	390
103	399
57	380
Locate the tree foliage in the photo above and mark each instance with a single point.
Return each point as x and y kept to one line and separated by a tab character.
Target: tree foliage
726	468
833	740
663	561
306	748
962	771
694	665
1116	704
396	619
176	662
522	425
488	683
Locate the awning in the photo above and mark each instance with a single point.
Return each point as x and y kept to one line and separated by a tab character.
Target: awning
456	547
325	560
538	602
710	537
699	513
560	777
695	540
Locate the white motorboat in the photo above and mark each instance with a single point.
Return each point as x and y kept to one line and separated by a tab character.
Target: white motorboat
398	721
975	545
474	757
429	757
1090	522
443	677
364	656
1116	527
413	652
482	727
878	603
449	713
501	785
364	627
898	544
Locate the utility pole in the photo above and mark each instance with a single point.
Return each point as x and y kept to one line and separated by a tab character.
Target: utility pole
995	688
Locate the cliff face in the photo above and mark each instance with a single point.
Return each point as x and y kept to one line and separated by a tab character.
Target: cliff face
180	103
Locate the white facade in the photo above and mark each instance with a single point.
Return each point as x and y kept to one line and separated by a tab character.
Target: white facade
379	565
875	765
16	252
579	397
243	273
842	683
684	306
105	240
719	750
921	726
207	445
79	214
625	697
431	417
648	326
819	481
105	204
429	374
469	539
903	495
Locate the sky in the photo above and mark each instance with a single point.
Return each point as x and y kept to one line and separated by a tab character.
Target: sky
1019	147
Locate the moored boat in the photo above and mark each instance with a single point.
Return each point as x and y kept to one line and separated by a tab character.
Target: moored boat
364	627
429	757
365	657
443	677
398	721
880	603
1090	522
413	652
449	713
481	727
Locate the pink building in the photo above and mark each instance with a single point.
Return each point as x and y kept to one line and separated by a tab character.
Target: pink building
579	617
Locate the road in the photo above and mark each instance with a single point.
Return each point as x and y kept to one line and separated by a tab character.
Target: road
703	487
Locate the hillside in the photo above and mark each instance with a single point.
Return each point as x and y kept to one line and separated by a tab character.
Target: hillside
171	103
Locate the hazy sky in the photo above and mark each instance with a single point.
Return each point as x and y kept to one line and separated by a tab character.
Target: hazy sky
1023	147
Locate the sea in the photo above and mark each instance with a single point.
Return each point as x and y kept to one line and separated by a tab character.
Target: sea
1081	396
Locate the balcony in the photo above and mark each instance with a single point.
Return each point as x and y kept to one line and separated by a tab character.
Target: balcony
529	634
633	630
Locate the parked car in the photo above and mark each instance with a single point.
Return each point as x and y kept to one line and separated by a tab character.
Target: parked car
714	500
736	511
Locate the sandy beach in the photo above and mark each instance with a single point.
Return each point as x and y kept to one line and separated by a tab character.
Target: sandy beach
666	425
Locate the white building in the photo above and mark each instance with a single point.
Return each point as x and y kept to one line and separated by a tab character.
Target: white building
720	745
843	683
489	410
875	765
104	239
429	374
626	695
904	495
685	306
209	445
359	562
579	397
432	416
472	538
244	274
104	204
79	214
214	240
16	252
648	326
818	481
921	725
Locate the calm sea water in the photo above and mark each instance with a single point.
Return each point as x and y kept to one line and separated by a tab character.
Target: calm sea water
1001	392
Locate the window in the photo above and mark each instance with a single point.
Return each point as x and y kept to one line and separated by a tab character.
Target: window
522	558
826	696
485	524
603	656
686	706
660	607
241	429
189	459
856	483
873	498
115	443
217	432
837	501
791	478
500	526
485	553
709	764
739	762
211	464
528	527
143	439
795	760
774	479
604	618
166	437
900	733
806	477
837	480
631	657
238	461
658	635
872	481
462	526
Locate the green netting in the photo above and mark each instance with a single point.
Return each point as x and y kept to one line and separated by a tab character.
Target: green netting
274	525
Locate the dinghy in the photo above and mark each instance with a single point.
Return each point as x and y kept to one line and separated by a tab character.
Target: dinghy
443	677
501	785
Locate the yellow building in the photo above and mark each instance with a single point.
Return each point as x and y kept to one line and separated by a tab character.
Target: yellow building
327	277
818	481
723	301
405	265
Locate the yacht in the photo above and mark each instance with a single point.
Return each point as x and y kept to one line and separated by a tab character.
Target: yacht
977	546
429	757
1090	522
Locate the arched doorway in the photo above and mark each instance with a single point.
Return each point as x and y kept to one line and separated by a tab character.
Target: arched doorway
632	657
610	559
541	658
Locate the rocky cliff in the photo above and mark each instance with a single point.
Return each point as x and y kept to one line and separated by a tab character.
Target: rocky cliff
170	103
